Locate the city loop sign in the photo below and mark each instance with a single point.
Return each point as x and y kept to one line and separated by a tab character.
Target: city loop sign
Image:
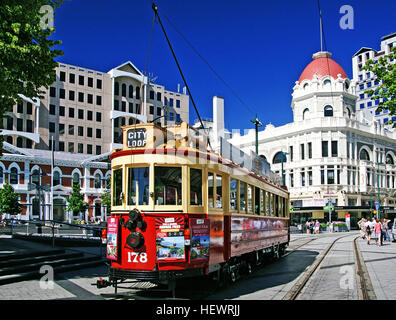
136	138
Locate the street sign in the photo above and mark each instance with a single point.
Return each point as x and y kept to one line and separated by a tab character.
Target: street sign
31	186
377	205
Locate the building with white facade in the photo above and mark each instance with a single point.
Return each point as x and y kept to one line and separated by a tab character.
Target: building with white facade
329	151
366	80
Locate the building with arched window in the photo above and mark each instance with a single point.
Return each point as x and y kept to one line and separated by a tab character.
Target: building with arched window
332	152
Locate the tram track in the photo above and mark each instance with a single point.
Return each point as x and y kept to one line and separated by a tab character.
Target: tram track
365	290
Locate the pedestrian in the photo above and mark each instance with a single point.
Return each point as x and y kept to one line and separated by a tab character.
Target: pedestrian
307	226
378	233
311	227
361	227
317	226
368	226
385	229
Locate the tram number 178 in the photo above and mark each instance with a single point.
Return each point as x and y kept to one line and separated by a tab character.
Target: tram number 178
137	257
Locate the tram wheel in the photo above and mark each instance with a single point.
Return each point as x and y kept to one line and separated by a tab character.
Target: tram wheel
276	252
233	276
249	268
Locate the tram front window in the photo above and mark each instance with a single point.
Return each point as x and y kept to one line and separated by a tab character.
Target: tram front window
168	185
233	194
117	187
138	186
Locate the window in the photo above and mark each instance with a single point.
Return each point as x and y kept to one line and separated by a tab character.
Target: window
57	178
334	149
310	176
52	127
279	158
306	114
302	178
116	88
233	194
302	150
14	176
89	132
71	95
53	92
195	187
151	110
19	124
89	115
90	82
80	131
20	107
330	176
219	191
80	97
29	125
130	89
151	95
61	128
80	148
89	148
137	93
117	187
262	202
29	108
62	76
61	146
328	111
250	198
325	148
98	150
71	129
322	175
168	184
71	147
90	98
364	155
81	114
98	116
62	93
99	100
72	78
81	80
98	84
19	142
210	190
158	96
291	153
177	103
98	133
116	105
138	186
310	150
242	196
123	90
76	178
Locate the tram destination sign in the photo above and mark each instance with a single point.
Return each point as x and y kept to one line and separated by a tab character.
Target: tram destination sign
136	138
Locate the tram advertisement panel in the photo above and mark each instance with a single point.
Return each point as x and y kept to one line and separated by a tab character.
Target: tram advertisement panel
170	238
199	239
112	238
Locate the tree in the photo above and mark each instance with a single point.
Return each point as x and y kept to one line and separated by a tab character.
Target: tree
26	60
9	202
385	72
76	201
106	200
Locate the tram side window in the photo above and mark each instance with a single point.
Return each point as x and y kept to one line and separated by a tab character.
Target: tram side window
219	191
233	194
138	186
168	185
269	204
195	187
250	198
276	205
257	203
242	196
117	187
210	190
262	202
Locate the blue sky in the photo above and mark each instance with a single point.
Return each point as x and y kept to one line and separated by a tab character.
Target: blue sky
258	47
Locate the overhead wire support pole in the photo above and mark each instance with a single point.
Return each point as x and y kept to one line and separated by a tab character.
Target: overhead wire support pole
155	8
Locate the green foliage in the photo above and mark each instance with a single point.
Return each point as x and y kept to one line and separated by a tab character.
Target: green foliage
9	202
106	200
385	71
26	60
76	201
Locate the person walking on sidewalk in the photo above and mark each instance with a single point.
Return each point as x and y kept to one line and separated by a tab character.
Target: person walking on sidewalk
361	227
377	230
367	227
317	226
385	230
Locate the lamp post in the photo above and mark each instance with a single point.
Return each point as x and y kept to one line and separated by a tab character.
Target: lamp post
257	123
378	185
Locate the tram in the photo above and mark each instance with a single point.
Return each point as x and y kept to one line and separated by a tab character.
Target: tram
181	211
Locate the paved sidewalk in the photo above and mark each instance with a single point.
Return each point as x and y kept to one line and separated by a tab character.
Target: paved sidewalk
381	266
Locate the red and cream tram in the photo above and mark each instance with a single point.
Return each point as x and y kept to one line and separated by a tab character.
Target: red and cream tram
179	210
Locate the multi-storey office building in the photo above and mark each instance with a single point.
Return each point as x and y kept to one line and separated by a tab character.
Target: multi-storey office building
330	153
83	110
366	80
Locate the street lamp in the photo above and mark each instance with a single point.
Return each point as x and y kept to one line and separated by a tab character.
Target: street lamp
257	123
378	185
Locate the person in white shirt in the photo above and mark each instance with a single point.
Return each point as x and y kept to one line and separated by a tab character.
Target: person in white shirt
368	226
